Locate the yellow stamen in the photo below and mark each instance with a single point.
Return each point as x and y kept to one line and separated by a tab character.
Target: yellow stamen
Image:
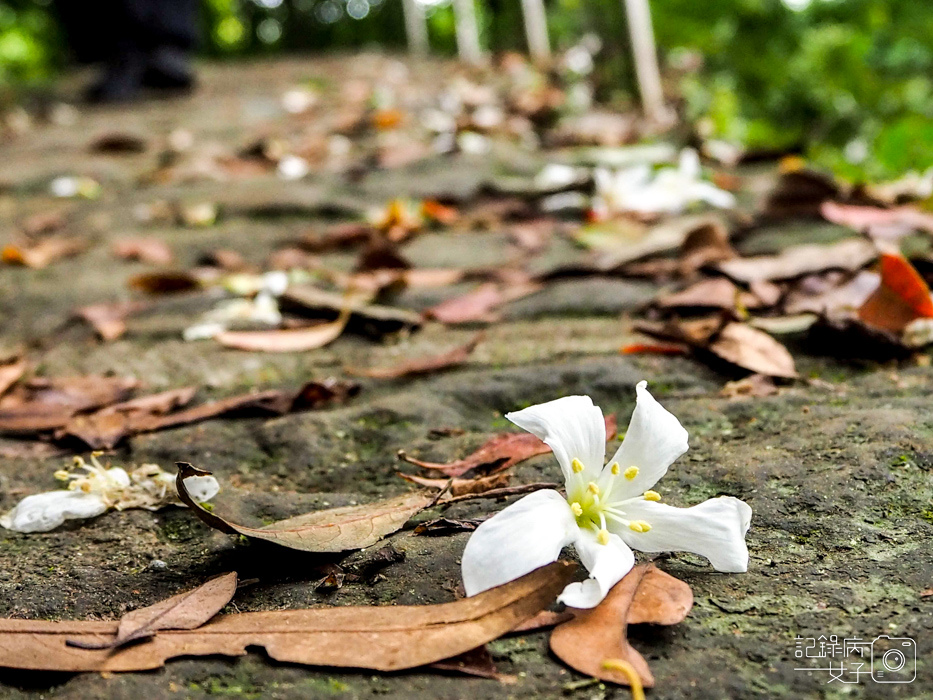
639	526
631	675
577	466
614	469
603	536
631	472
62	474
86	487
652	496
576	508
593	488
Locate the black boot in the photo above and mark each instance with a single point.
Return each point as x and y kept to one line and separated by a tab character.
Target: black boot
168	68
121	80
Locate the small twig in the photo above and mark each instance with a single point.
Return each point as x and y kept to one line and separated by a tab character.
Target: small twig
503	492
440	493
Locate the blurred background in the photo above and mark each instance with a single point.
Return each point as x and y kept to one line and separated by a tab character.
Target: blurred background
846	83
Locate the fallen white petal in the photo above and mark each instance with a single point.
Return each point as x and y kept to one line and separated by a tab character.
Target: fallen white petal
654	439
573	427
520	538
46	511
607	564
714	529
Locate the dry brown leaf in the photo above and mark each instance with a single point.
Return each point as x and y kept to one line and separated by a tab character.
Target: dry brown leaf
43	252
877	222
345	235
543	620
370	319
446	526
851	254
597	635
737	343
288	340
388	638
476	662
460	487
755	385
711	293
753	350
423	365
109	320
147	250
477	305
498	453
800	192
332	530
117	143
42	404
706	244
185	611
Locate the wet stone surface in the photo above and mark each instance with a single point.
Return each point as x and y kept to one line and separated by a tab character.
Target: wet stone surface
837	471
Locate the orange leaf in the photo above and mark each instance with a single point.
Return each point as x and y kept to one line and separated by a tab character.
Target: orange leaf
902	297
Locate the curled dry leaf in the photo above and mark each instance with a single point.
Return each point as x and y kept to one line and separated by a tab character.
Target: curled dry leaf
388	638
288	340
645	595
497	454
476	662
424	365
851	254
370	319
185	611
460	487
332	530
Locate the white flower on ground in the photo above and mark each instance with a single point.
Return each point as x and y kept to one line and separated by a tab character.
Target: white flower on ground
98	489
609	510
667	191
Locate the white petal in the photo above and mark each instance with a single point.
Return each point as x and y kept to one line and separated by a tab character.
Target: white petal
573	427
607	564
654	439
46	511
715	529
200	488
521	538
711	194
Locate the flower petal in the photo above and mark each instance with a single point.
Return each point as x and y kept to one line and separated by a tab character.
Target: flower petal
654	439
715	529
46	511
573	427
521	538
607	564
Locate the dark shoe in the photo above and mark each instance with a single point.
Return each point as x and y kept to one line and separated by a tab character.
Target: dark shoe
121	81
168	68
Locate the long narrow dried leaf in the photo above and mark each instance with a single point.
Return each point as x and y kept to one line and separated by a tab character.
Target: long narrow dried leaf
185	611
423	365
388	638
332	530
597	635
851	254
288	340
497	454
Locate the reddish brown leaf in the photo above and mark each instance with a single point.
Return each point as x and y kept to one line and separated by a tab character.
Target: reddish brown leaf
878	222
706	244
388	638
147	250
164	282
474	306
117	143
498	453
902	297
424	365
46	404
598	635
653	349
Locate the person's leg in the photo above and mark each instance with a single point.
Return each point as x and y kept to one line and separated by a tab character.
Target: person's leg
169	33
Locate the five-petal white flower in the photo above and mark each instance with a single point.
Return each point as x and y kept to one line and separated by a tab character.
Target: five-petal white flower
609	510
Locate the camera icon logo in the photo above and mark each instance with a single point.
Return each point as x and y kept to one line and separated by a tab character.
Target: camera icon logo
893	659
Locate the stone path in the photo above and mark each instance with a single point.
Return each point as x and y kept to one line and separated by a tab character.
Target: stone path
838	471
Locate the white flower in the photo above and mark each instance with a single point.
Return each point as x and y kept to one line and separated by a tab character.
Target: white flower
98	490
669	191
609	510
